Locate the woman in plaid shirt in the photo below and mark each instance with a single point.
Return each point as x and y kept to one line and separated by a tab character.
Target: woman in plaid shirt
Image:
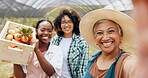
74	47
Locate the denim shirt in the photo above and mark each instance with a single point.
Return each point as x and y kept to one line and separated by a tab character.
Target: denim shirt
111	71
90	62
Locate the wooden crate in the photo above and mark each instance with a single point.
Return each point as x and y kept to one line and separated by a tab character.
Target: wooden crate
13	55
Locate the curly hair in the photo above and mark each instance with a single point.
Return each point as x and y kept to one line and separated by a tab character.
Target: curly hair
73	15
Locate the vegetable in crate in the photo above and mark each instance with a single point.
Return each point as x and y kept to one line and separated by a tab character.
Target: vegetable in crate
17	36
9	37
20	34
11	31
26	35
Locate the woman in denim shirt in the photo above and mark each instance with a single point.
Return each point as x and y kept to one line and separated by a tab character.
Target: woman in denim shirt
112	32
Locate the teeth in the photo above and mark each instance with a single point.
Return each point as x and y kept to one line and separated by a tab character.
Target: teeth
66	28
45	37
107	44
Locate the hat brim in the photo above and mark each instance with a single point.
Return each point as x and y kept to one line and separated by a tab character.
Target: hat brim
126	23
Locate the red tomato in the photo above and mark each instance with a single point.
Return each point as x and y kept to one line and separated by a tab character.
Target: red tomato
23	39
17	36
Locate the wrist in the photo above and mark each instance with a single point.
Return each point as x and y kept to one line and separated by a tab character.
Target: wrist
37	51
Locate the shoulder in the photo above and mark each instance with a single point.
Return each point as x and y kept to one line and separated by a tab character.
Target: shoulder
92	59
130	60
95	55
53	52
55	37
55	40
130	65
80	39
54	48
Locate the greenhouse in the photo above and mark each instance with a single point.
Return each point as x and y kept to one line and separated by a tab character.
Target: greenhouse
28	12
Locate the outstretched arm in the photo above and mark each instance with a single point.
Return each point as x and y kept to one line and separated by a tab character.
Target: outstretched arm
141	16
130	67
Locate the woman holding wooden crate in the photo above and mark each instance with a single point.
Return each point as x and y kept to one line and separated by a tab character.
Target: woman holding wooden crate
46	61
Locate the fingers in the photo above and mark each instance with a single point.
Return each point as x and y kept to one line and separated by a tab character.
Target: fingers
36	46
33	41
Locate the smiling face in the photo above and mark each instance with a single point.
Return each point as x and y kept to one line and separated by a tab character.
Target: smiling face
44	31
107	36
67	25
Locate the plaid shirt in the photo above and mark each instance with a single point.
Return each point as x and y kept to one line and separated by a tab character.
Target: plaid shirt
78	55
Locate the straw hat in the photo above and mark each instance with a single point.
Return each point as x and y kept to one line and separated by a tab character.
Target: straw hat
126	23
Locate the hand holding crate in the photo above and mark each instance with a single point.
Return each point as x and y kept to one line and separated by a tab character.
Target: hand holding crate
15	43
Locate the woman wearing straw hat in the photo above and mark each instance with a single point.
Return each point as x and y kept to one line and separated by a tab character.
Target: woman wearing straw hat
112	32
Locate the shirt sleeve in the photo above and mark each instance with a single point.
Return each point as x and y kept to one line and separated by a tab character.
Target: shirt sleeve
84	59
24	68
55	59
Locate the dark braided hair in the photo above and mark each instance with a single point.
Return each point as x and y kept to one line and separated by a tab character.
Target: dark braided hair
38	23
